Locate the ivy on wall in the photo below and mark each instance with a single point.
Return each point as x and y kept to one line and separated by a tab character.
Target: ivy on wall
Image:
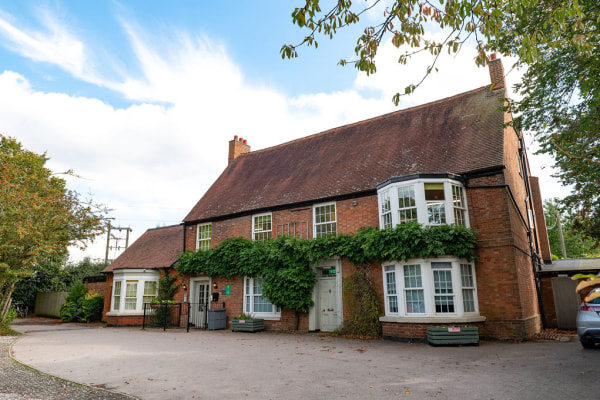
363	303
284	263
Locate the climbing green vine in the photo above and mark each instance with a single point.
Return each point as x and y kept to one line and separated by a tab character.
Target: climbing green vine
284	263
363	303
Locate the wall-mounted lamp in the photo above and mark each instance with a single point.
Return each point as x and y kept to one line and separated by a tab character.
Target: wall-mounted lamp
184	287
215	285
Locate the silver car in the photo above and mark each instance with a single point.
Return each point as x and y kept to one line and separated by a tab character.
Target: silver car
588	322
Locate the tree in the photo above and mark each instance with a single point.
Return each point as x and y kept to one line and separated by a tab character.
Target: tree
577	244
54	274
39	216
557	40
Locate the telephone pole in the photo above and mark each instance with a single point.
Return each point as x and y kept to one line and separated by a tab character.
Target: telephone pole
116	239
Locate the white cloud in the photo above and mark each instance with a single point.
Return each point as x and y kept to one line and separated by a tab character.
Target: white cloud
152	162
54	45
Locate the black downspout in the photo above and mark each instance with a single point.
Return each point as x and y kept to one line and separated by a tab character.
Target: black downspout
535	255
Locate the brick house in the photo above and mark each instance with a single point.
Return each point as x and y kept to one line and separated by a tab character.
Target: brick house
132	278
452	161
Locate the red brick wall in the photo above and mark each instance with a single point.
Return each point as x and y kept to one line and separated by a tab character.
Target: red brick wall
504	271
349	218
548	301
107	295
505	279
98	287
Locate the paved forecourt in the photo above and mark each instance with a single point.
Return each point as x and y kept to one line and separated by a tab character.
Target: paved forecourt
152	364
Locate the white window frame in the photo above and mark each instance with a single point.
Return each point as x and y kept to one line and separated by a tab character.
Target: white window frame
404	208
203	242
385	210
137	276
250	298
428	287
317	224
392	189
268	233
459	204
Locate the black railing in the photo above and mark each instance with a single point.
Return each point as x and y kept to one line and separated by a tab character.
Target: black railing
197	314
179	315
162	315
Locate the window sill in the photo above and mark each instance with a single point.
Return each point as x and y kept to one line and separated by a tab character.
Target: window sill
267	318
434	320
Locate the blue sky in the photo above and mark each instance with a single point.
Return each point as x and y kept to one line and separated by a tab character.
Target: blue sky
140	98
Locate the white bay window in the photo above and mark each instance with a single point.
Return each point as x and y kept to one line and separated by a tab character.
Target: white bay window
430	199
132	288
424	288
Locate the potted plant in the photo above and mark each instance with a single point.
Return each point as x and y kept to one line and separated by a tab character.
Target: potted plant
247	323
452	335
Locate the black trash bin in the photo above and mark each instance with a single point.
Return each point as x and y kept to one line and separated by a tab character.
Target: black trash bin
217	319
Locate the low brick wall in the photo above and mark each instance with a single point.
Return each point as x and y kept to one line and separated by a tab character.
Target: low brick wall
124	320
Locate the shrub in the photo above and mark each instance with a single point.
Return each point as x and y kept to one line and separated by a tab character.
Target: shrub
82	305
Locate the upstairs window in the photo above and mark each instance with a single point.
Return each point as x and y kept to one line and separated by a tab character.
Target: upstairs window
386	210
261	227
428	201
436	203
407	206
325	220
460	207
204	237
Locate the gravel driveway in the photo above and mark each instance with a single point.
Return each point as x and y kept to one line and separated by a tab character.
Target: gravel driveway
152	364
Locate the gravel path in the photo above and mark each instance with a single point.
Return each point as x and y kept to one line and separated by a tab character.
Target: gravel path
18	382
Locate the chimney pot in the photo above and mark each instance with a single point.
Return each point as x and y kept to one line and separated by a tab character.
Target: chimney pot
237	147
493	56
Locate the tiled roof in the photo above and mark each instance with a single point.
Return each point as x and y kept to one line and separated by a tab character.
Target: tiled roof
156	248
459	134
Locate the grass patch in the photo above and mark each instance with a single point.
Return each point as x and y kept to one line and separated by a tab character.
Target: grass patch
6	331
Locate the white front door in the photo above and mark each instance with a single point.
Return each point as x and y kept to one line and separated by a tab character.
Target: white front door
328	314
200	303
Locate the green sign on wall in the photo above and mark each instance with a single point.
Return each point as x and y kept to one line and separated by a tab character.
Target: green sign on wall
227	290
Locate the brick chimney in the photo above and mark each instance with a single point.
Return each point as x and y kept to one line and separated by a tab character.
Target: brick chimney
496	73
237	147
